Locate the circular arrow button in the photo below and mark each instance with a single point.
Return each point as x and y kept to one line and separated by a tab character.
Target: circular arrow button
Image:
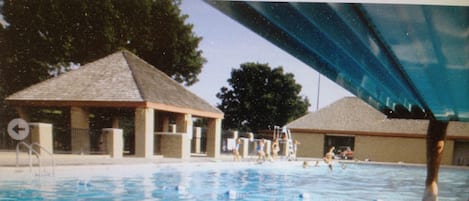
18	129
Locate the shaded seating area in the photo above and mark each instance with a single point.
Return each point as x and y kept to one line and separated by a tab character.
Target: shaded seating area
121	97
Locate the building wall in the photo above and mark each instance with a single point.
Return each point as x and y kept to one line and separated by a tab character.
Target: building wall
448	153
376	148
389	149
396	149
311	144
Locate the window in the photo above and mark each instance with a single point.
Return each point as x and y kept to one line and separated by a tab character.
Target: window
344	145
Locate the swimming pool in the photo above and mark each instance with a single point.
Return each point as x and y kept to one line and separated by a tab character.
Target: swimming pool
231	181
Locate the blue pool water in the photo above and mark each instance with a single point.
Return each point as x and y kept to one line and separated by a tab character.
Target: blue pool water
234	181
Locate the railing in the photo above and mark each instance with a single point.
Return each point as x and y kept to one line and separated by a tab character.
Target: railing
48	152
38	156
30	151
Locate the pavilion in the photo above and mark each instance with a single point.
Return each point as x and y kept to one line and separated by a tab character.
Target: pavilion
124	82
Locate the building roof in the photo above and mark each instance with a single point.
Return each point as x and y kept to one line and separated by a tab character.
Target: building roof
118	80
351	115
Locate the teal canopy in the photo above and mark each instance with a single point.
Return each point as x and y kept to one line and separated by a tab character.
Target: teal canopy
408	61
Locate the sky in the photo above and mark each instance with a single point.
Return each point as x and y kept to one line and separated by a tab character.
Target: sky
226	44
2	20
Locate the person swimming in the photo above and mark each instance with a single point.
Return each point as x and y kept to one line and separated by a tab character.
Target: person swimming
260	151
328	157
275	149
305	164
295	148
236	150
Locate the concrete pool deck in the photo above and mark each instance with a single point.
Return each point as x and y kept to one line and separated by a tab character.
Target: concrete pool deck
8	159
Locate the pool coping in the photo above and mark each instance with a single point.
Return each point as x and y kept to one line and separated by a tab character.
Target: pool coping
8	159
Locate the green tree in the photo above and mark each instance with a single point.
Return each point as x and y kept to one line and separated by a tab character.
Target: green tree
48	35
260	97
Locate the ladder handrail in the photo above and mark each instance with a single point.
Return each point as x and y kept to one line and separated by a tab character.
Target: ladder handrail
291	149
277	132
48	152
30	151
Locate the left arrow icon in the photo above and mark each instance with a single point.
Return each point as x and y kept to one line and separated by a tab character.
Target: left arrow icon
18	129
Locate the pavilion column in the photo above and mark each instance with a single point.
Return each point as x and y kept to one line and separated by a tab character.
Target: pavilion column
198	136
41	133
144	131
213	137
79	123
184	125
436	135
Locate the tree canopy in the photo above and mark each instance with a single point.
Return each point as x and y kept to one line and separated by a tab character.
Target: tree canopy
48	35
260	97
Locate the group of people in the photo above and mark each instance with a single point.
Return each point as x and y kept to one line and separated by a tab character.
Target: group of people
260	150
328	158
261	155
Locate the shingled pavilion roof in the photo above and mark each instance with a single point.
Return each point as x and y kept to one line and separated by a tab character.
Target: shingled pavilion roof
351	115
118	80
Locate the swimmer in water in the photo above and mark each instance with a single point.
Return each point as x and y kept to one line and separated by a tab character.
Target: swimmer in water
236	150
328	157
275	149
260	151
305	164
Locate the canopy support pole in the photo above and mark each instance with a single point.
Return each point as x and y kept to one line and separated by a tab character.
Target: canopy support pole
436	135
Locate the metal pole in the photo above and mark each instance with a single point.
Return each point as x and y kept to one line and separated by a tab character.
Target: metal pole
319	87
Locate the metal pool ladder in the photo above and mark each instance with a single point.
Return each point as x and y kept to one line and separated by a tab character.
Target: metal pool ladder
38	156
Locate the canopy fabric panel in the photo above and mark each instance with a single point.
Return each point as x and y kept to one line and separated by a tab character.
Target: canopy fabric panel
407	61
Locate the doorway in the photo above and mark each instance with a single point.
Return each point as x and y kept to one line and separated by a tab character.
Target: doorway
461	153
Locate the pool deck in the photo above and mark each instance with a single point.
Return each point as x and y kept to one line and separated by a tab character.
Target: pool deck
8	159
